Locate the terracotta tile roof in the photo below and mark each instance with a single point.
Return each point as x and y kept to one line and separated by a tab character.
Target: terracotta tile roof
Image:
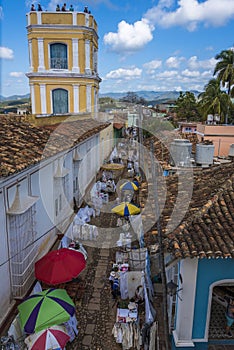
207	229
207	225
22	144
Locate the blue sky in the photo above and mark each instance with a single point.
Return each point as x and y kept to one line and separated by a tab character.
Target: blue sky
143	44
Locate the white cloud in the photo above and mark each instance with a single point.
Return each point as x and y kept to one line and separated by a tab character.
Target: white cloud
16	74
126	74
152	66
207	74
1	12
174	62
168	74
6	53
194	63
189	13
129	37
189	73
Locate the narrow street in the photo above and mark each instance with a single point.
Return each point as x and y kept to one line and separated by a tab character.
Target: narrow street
96	311
95	308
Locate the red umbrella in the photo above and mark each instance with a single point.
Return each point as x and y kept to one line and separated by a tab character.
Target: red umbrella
51	338
59	266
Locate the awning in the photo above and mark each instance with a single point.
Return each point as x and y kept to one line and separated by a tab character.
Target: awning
118	125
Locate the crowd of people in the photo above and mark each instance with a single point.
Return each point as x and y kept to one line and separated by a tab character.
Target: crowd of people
63	8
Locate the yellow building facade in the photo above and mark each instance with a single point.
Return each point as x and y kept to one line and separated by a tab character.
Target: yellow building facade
63	53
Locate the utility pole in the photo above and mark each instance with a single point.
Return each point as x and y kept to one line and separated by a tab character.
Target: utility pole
161	251
141	147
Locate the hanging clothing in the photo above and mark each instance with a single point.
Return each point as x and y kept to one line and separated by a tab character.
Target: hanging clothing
123	285
134	280
128	334
149	309
152	336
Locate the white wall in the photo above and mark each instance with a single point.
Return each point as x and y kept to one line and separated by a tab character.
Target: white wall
38	181
185	307
5	301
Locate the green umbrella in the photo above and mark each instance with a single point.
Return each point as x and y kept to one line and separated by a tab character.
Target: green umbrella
45	309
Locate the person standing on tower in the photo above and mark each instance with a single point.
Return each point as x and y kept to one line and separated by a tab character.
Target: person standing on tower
64	7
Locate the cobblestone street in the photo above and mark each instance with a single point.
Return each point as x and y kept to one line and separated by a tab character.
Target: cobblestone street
96	311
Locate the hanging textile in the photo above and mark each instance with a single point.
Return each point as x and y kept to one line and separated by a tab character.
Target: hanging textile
148	280
137	259
150	312
153	330
127	334
134	280
123	284
71	327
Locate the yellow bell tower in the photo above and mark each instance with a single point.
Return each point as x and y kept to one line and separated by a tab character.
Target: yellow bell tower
63	52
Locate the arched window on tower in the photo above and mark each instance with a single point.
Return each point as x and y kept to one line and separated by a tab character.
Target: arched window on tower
58	56
60	101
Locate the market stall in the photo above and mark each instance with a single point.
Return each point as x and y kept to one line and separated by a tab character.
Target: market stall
135	314
115	169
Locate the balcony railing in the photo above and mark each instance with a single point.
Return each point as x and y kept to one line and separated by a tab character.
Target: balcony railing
58	63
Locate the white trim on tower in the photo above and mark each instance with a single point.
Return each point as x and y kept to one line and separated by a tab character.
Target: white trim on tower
88	98
32	92
87	57
74	18
76	98
41	63
75	50
43	98
30	55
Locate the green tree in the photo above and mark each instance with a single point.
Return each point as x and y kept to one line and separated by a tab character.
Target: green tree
225	70
213	100
132	97
186	107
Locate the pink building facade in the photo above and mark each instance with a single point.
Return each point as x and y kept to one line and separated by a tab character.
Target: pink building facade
188	127
221	135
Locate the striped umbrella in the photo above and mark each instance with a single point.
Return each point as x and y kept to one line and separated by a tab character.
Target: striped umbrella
126	209
55	337
129	186
45	309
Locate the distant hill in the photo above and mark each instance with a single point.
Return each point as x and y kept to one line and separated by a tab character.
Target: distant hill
152	96
13	97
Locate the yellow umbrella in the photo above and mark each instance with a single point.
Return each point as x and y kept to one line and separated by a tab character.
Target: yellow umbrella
129	186
126	209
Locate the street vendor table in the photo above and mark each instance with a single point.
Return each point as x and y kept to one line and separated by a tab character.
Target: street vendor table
126	329
126	315
116	169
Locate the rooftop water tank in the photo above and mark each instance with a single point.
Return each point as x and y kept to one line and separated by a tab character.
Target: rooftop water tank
231	150
180	152
204	154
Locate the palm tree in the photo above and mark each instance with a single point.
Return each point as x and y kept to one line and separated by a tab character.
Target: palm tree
213	100
225	69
